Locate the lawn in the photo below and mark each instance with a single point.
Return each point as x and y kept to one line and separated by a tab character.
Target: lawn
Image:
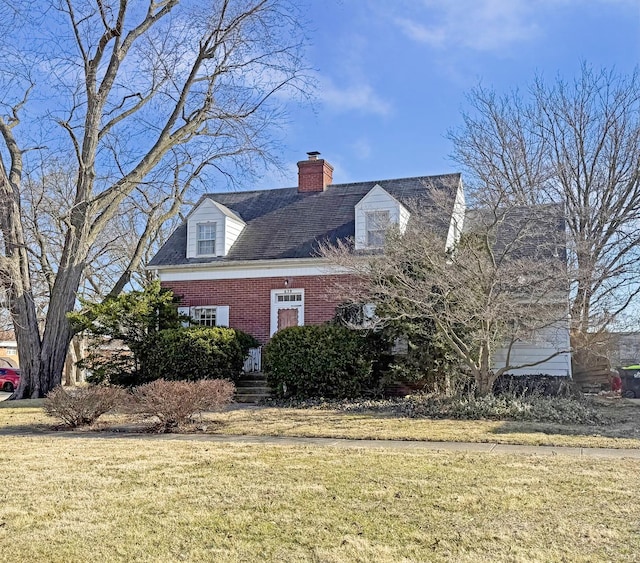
623	430
146	498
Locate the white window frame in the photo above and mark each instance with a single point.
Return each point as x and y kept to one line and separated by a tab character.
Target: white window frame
214	228
277	304
203	315
221	314
374	225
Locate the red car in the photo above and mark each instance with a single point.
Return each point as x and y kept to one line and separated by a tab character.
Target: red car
9	379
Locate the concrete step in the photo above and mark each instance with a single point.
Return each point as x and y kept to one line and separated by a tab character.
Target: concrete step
251	383
250	397
254	391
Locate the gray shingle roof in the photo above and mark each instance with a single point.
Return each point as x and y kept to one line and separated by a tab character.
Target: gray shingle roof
283	223
535	231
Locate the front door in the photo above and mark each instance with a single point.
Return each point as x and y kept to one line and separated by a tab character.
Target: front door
287	318
287	308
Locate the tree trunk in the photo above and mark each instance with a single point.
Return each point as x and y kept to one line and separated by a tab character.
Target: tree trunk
58	332
25	322
72	374
485	378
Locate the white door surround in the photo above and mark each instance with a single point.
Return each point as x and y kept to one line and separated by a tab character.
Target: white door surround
286	299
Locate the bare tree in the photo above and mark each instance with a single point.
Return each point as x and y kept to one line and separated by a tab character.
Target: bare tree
577	144
150	97
503	283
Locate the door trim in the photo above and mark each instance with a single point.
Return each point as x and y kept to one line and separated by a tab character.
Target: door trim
276	305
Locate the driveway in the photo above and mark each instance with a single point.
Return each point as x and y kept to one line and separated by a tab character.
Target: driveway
4	395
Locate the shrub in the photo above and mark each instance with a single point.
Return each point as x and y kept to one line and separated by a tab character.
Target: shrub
558	410
195	353
174	403
83	406
320	361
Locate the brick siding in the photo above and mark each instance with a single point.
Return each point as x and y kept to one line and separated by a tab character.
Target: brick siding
249	300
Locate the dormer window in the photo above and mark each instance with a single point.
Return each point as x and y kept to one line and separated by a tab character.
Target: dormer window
212	229
377	222
374	214
206	239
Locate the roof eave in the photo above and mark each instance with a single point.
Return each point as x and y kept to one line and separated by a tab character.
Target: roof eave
238	264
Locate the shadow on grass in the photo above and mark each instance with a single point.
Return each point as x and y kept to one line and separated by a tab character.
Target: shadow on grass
629	429
22	404
27	429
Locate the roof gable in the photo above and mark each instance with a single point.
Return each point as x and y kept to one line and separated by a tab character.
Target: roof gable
284	223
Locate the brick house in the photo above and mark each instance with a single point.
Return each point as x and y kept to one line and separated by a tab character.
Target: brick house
250	259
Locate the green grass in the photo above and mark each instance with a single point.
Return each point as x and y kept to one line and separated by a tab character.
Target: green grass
150	499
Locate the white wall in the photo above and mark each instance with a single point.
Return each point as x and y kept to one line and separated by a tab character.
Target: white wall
227	228
546	342
232	230
377	200
457	219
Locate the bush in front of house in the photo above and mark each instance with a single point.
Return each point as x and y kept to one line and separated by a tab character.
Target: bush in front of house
506	406
321	361
175	403
83	406
467	406
194	353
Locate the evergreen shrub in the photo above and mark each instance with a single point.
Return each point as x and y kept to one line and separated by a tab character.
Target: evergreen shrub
321	361
195	353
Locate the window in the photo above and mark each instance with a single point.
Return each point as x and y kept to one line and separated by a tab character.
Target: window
205	316
289	297
206	238
376	225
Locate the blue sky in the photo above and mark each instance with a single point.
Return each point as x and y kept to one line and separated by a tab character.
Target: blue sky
393	74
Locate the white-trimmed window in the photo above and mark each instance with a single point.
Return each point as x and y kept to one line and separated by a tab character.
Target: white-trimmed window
205	316
289	297
206	239
376	223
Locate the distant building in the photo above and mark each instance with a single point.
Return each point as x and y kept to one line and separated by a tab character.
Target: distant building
8	349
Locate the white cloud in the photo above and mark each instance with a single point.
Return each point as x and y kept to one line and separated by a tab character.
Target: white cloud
354	97
482	25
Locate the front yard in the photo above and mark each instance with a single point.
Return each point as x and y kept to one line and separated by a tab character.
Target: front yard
622	429
144	498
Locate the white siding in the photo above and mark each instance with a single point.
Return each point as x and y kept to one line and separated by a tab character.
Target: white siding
547	342
206	212
377	200
404	218
227	228
232	231
457	219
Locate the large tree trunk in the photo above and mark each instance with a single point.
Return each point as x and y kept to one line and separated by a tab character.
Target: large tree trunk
25	322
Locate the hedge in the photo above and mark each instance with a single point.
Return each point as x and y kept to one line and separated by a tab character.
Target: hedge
195	353
321	361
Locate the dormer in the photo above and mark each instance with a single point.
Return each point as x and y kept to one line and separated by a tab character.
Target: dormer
212	228
375	213
457	219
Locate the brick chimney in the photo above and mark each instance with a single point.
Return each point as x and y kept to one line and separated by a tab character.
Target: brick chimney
314	174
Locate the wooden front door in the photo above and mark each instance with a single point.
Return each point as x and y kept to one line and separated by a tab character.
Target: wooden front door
287	318
287	309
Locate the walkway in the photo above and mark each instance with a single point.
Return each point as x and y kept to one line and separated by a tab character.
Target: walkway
404	445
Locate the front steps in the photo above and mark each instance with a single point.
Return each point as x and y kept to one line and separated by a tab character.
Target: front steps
252	388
